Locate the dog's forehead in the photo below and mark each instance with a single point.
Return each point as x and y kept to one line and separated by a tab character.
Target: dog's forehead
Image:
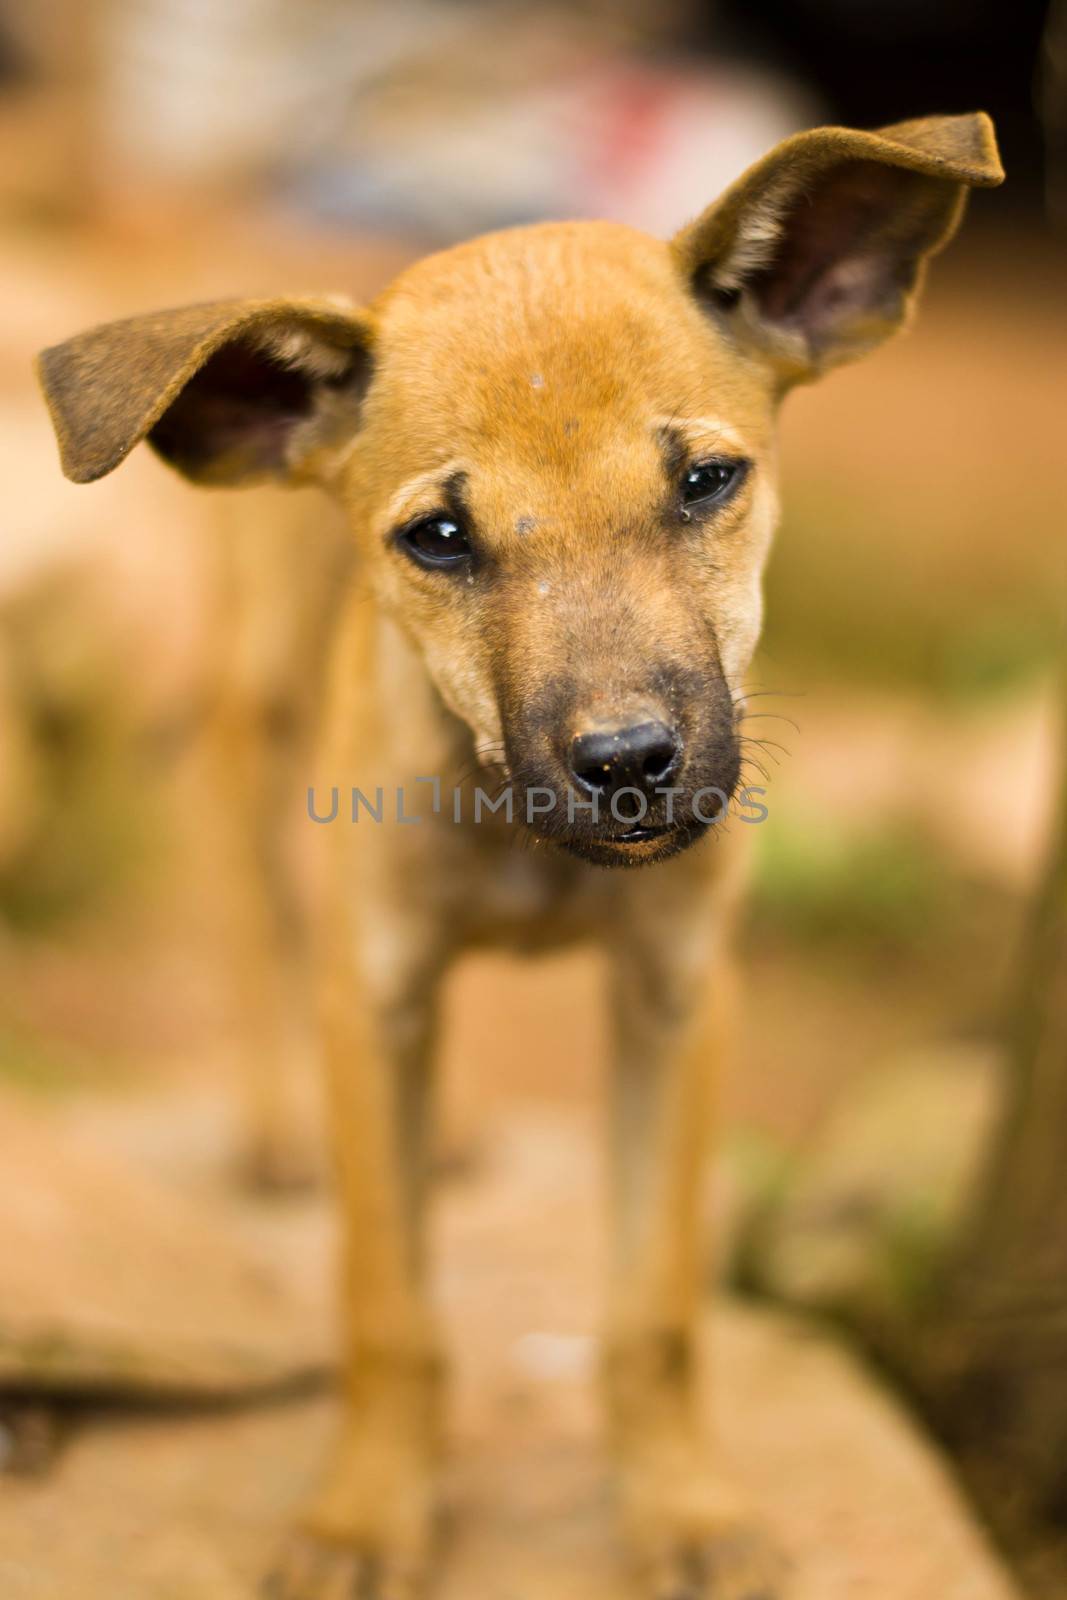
529	267
539	332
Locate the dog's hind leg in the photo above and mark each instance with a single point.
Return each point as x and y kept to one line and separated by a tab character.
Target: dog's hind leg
670	1010
276	563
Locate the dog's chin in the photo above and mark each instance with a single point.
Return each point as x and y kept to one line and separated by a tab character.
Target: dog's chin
640	847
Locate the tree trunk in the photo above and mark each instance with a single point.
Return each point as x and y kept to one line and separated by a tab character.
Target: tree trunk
993	1350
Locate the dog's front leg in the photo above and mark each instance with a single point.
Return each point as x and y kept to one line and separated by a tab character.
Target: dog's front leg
367	1531
670	1011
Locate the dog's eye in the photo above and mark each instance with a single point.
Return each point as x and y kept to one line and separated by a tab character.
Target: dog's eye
711	480
436	542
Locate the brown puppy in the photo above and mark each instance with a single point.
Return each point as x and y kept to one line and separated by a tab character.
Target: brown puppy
555	449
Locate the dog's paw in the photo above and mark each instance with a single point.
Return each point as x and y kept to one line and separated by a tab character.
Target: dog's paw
311	1568
371	1529
692	1538
739	1564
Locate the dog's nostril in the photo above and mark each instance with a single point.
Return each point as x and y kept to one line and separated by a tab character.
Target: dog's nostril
637	757
591	767
659	760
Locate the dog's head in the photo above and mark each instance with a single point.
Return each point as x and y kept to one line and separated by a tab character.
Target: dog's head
556	447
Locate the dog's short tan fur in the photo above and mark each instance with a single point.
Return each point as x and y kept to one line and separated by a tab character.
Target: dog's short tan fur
547	387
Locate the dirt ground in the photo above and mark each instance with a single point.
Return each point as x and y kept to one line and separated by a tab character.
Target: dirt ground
158	1505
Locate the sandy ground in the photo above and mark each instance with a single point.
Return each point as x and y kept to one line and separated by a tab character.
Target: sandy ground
162	1506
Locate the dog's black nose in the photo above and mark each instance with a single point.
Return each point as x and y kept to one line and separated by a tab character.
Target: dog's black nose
641	756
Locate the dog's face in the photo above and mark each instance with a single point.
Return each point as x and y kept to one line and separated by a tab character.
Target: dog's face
556	449
563	489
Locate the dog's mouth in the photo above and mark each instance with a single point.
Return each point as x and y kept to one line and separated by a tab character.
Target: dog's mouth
643	844
641	833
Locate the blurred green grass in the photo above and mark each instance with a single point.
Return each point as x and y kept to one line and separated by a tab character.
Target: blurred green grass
864	595
34	1060
848	894
82	818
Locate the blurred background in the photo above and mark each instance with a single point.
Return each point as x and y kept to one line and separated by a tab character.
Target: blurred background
154	152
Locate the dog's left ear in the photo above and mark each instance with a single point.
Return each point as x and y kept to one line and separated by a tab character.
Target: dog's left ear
815	254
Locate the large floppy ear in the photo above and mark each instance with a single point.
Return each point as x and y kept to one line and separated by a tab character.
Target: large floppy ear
228	392
816	253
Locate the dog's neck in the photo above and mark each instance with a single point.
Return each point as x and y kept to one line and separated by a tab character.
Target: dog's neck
418	736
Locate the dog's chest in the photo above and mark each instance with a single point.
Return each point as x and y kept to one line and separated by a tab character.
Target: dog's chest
529	899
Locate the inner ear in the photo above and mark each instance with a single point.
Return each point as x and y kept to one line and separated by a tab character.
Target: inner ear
851	244
257	405
814	255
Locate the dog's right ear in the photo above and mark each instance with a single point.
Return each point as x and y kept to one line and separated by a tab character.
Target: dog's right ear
228	392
